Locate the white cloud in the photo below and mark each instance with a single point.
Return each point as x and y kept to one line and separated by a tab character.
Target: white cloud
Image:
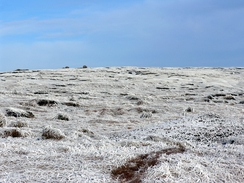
135	20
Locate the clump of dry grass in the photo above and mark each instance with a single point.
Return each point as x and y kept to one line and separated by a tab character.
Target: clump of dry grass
146	115
113	112
72	104
16	132
133	170
140	102
140	110
63	117
19	124
52	133
189	109
46	102
132	97
88	132
41	93
3	121
19	113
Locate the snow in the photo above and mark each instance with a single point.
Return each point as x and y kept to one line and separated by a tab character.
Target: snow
115	116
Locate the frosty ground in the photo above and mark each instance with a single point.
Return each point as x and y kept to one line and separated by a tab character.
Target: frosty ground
122	124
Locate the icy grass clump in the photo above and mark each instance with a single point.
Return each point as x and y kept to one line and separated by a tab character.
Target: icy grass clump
63	117
3	121
18	113
112	112
19	124
47	102
52	133
146	115
88	132
16	132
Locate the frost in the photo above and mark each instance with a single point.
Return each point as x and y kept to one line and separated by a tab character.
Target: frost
3	121
52	133
122	124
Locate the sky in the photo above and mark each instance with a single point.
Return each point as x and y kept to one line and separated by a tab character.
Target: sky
51	34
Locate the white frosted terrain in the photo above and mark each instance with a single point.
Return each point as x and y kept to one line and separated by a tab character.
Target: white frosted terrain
122	124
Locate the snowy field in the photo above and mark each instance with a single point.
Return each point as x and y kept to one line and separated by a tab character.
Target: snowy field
122	124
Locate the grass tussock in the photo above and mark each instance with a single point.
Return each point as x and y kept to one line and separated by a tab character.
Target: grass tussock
63	117
16	132
88	132
71	104
3	121
46	102
146	115
52	133
19	113
19	124
141	110
133	170
112	112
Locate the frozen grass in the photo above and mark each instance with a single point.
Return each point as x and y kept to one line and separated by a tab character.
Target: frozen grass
52	133
124	125
19	124
3	121
16	132
18	113
46	102
63	117
134	169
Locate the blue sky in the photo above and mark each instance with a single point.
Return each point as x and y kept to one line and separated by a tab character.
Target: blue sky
50	34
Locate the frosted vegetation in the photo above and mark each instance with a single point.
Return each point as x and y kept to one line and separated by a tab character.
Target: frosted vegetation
122	125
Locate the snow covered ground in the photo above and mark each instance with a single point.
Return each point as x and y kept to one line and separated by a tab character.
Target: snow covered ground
122	124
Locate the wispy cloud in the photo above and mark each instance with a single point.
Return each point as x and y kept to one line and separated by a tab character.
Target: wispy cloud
135	20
